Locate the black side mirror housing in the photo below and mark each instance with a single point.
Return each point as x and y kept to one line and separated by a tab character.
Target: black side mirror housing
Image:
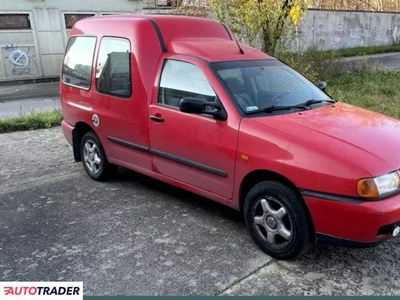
322	85
199	106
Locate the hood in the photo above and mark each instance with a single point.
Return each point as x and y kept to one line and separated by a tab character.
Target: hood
365	138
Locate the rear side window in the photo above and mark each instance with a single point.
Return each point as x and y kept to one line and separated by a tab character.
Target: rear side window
78	61
113	73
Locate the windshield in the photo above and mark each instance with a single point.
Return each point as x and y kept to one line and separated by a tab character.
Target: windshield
256	84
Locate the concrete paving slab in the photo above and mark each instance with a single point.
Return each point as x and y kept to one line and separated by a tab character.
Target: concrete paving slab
329	270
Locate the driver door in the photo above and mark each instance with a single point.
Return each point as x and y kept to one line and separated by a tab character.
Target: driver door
194	149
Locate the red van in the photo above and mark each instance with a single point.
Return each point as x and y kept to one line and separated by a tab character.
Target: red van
179	99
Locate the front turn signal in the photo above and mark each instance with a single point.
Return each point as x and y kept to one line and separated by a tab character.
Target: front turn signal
379	186
367	188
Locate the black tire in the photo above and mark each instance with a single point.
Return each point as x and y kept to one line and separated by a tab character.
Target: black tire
100	169
276	227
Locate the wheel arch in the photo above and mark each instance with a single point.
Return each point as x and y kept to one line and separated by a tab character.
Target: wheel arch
257	176
77	134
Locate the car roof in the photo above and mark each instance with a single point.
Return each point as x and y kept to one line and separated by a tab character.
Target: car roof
204	38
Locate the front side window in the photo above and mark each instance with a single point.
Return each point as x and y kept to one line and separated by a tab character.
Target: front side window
257	84
181	79
77	66
113	75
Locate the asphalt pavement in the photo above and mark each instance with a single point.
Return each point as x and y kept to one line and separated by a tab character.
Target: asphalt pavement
18	99
23	106
137	236
390	61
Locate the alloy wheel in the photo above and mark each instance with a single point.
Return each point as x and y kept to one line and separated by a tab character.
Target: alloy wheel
272	222
91	157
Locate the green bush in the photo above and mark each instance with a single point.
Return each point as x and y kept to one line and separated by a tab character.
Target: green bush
30	121
314	64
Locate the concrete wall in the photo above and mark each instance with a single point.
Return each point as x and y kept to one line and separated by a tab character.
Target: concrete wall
346	29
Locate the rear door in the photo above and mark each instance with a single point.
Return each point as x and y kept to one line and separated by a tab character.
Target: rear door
195	149
122	114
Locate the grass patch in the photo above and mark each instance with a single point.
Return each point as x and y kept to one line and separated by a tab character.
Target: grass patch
367	50
370	87
316	65
375	90
30	121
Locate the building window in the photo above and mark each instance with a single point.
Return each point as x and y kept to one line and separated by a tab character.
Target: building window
182	79
161	3
113	75
71	19
78	61
14	21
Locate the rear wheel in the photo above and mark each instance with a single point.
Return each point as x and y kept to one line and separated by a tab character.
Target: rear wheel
94	159
277	220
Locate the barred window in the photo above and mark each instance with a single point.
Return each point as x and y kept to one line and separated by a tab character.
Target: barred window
71	19
14	21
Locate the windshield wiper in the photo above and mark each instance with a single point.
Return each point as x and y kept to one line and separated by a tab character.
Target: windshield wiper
275	108
305	105
314	101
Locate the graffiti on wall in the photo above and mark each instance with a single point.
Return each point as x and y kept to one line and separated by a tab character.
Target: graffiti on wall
396	34
20	60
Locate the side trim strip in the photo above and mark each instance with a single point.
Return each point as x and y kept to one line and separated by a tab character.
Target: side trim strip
329	196
189	162
162	154
129	144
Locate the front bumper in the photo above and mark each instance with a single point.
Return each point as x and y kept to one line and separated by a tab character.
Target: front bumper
363	223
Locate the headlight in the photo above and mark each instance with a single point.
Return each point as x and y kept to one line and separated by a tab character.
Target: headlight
378	186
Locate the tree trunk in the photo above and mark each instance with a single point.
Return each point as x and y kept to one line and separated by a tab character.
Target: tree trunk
267	45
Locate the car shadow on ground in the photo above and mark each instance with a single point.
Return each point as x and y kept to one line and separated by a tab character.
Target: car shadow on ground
128	177
317	254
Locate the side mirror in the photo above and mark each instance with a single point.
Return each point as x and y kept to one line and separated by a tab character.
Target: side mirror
199	106
322	85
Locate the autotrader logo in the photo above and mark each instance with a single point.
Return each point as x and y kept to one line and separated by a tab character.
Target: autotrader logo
41	290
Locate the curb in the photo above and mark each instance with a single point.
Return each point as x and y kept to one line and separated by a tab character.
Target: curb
28	81
15	97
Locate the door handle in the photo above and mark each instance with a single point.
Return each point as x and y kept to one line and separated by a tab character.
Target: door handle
157	118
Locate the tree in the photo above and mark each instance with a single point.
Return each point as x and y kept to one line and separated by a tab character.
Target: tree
260	23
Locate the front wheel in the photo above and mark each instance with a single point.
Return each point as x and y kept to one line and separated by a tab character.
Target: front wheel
94	158
277	220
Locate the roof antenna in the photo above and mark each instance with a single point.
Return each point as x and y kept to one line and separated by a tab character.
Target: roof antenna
240	48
